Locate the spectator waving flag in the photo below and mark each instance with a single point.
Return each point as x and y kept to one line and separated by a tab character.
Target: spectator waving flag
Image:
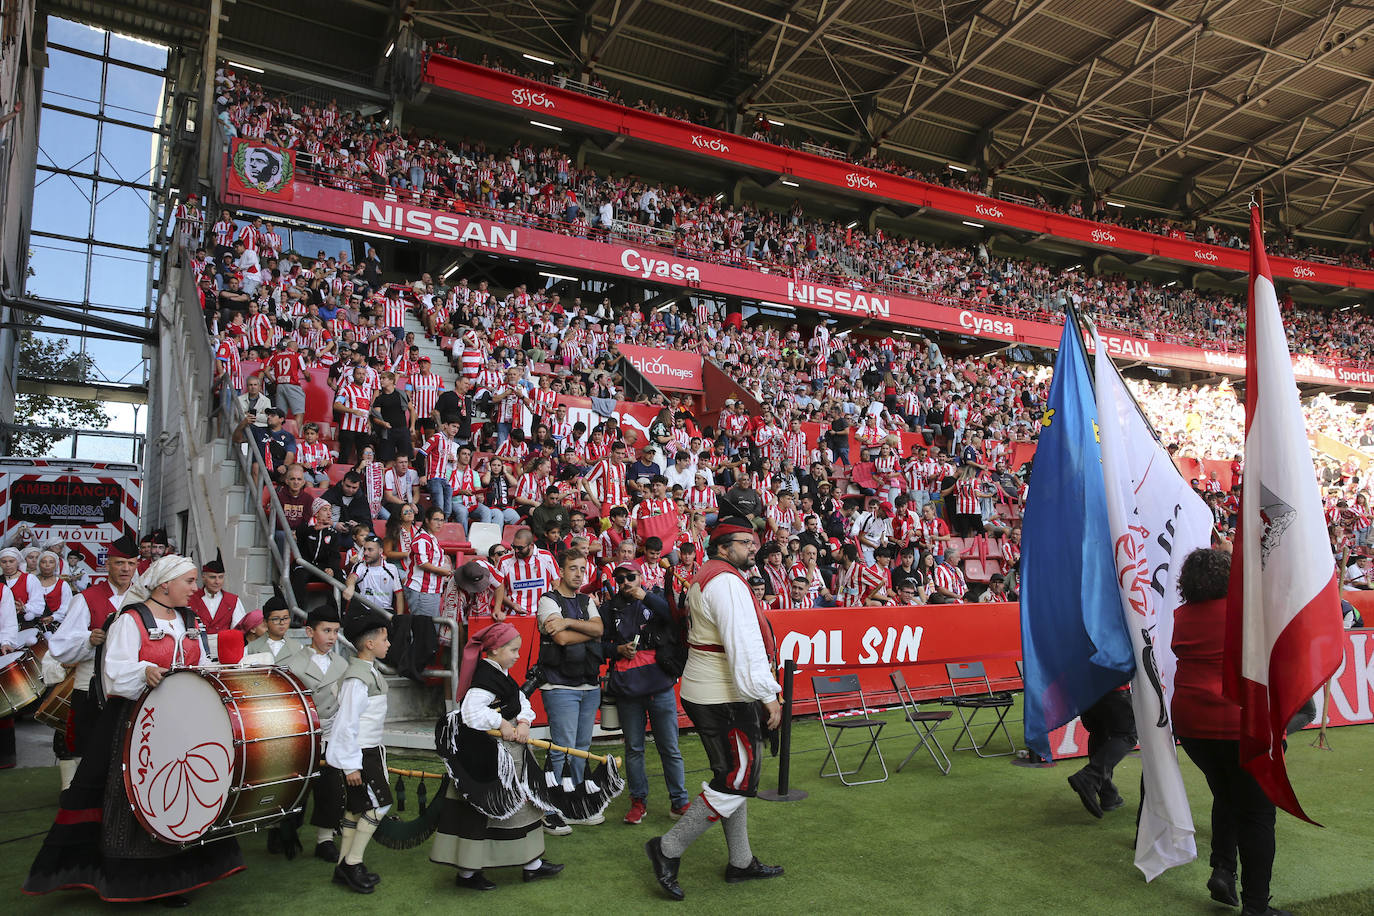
1073	640
1283	623
1156	520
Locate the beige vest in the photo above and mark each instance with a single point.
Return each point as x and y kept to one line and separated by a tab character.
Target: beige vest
707	678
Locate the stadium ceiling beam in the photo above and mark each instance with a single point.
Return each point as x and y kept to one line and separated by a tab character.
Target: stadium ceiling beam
1355	125
1243	154
1142	64
1252	99
47	309
613	32
310	77
871	48
82	391
963	64
813	35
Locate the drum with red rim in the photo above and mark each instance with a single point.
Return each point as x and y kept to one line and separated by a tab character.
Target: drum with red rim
21	681
211	753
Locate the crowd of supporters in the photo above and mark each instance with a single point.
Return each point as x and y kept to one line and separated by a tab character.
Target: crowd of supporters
1099	209
542	186
930	474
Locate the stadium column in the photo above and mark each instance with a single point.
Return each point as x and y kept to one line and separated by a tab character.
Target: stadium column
205	117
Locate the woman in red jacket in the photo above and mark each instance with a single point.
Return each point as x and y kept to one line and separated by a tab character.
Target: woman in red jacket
1208	726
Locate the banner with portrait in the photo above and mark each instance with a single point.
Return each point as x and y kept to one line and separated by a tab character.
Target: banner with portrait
260	168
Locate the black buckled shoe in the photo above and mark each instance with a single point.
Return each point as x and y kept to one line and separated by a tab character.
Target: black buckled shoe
1265	910
545	870
475	881
1222	886
754	870
1082	783
354	877
328	851
665	868
1111	802
370	876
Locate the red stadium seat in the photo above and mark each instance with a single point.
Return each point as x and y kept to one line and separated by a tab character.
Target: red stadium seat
452	538
976	571
336	471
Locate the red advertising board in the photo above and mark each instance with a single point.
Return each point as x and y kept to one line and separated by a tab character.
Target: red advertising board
317	203
549	103
921	640
672	369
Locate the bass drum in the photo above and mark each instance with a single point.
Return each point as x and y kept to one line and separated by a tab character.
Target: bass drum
21	681
213	753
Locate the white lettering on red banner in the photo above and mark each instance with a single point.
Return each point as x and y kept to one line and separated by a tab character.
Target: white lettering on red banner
527	99
711	143
981	325
1303	273
1201	255
438	226
991	212
846	300
665	269
1103	235
856	180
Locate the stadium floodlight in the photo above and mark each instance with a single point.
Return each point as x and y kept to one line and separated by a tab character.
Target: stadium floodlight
969	222
1075	267
449	270
547	126
551	276
389	48
242	66
776	123
957	168
537	59
1112	203
790	184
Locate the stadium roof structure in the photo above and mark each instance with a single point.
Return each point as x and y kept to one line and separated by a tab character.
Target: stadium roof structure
1184	107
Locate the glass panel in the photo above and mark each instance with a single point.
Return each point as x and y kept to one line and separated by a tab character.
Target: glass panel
72	81
62	204
59	270
307	243
76	35
66	141
143	53
118	277
132	95
126	418
94	447
62	448
121	215
116	361
126	153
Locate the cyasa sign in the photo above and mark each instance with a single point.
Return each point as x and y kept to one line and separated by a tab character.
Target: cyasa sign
665	368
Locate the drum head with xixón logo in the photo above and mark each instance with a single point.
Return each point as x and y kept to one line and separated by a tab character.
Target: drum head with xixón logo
179	758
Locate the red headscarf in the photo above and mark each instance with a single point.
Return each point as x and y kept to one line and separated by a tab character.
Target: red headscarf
498	634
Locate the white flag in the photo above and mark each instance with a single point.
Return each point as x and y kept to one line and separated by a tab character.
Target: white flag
1156	521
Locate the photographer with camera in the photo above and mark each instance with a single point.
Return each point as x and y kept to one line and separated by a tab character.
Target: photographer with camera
647	661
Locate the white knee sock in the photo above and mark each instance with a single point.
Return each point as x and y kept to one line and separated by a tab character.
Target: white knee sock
346	835
367	825
67	769
323	835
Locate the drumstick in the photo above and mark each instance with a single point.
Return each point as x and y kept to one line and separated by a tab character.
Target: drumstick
549	746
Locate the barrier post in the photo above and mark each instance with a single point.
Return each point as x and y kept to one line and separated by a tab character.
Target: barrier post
785	793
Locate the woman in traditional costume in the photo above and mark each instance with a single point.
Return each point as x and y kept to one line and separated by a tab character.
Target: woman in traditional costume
484	766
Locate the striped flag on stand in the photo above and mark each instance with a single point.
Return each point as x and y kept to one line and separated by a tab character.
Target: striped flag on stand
1283	626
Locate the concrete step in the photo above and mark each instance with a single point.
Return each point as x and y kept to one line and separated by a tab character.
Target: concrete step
228	473
245	532
257	564
413	734
406	699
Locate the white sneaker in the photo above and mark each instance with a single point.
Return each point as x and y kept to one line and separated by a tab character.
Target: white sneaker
588	821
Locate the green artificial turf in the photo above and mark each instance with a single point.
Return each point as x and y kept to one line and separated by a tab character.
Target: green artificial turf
988	838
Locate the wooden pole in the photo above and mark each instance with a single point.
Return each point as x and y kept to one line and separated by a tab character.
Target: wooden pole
1322	743
549	746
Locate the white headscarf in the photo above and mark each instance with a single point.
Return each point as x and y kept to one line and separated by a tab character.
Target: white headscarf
12	552
57	570
164	570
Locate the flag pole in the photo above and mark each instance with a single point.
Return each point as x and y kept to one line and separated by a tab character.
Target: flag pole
1092	326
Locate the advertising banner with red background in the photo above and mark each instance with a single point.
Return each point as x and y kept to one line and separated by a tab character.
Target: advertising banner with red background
671	369
316	203
920	641
548	103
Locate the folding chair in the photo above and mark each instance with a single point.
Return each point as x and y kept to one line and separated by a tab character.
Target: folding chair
966	673
847	685
923	723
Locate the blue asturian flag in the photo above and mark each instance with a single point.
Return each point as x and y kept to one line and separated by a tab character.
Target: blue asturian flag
1074	643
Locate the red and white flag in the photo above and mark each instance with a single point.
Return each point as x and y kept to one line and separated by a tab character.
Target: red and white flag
1283	627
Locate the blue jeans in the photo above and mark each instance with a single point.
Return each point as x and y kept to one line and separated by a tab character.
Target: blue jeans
661	710
441	494
502	433
459	513
485	513
572	715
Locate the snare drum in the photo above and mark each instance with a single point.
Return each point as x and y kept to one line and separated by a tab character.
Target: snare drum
214	753
21	681
57	705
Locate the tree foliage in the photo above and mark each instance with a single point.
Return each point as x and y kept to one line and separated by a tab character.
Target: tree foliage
44	355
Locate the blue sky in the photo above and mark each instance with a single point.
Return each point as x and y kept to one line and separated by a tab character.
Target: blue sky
66	271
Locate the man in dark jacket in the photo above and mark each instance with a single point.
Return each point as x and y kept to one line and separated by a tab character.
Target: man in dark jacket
349	503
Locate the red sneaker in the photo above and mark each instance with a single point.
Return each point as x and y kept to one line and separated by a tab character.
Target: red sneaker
679	811
637	811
